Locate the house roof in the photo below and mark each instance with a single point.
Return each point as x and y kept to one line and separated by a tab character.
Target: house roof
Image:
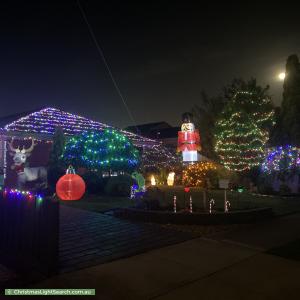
156	130
165	133
145	129
44	121
10	118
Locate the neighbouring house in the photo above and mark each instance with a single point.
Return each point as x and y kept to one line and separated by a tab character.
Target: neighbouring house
18	131
161	131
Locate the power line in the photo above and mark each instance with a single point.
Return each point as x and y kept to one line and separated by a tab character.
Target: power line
105	63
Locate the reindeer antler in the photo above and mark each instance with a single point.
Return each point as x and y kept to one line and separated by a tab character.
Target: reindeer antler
28	150
12	147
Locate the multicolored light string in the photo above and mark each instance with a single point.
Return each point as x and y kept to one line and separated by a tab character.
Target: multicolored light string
240	142
259	108
281	159
157	157
242	132
46	120
106	150
21	194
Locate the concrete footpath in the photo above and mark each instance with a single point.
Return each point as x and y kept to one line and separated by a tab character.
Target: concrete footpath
227	266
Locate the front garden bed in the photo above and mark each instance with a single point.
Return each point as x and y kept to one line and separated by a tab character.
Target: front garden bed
195	218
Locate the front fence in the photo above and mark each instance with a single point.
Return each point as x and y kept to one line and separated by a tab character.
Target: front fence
29	232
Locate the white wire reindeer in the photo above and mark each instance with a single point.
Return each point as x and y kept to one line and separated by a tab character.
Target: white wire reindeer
26	174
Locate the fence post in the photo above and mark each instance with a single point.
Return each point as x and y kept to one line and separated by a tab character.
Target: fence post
29	233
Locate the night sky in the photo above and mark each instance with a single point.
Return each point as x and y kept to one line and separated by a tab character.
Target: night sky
162	56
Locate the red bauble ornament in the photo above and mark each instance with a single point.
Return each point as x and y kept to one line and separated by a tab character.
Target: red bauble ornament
186	189
70	187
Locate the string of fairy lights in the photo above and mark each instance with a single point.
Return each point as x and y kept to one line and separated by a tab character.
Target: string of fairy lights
241	146
249	99
261	109
8	193
242	132
45	121
196	174
281	159
158	156
117	150
106	150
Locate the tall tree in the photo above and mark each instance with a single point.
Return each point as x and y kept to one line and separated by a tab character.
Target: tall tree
290	107
205	114
239	141
252	99
58	145
242	131
56	166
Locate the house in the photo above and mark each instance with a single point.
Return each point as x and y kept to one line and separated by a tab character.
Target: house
18	131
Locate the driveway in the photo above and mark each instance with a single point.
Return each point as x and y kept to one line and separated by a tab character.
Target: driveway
89	238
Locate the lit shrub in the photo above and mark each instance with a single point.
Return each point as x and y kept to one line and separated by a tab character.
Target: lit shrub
199	173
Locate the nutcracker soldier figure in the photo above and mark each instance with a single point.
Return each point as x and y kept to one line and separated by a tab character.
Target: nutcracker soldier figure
188	140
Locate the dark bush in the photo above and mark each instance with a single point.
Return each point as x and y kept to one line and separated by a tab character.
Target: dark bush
94	183
148	203
53	174
119	185
265	189
284	190
264	185
154	193
153	198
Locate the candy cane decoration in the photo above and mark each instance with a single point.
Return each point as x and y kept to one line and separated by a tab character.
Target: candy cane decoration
174	204
191	204
227	205
211	203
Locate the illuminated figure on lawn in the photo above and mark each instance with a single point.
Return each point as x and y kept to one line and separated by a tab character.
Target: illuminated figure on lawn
188	139
26	174
170	179
139	189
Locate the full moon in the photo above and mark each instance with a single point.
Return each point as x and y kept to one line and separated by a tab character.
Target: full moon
281	76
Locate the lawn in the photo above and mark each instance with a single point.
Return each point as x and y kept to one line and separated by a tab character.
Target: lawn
165	194
100	203
238	201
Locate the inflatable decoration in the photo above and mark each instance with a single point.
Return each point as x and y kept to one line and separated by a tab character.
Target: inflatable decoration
170	179
139	178
138	190
70	186
153	180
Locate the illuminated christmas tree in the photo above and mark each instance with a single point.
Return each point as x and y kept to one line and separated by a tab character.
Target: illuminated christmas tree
256	105
243	129
240	142
108	150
